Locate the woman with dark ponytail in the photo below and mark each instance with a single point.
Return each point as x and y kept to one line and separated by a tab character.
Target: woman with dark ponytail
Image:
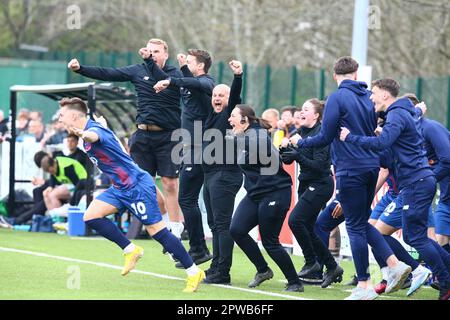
268	197
315	189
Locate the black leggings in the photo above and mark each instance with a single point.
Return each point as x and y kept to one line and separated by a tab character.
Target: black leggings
313	196
219	193
191	181
269	213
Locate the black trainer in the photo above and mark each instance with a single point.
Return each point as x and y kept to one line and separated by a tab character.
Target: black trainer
309	269
218	278
435	284
353	281
295	287
260	278
332	276
315	279
408	282
198	259
211	271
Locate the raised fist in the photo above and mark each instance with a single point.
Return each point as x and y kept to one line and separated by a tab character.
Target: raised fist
236	66
181	59
145	53
74	65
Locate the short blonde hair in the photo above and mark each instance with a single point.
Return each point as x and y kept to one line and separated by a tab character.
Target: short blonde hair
272	111
159	42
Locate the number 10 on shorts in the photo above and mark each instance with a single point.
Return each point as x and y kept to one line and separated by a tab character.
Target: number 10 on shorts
140	209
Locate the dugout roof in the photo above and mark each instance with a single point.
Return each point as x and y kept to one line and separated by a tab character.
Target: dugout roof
116	104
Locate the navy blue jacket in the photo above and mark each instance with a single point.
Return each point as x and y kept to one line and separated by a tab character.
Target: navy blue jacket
219	121
162	109
402	133
437	147
259	185
387	162
350	106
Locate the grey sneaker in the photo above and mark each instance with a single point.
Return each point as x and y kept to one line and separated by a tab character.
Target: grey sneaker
419	277
397	276
260	278
362	294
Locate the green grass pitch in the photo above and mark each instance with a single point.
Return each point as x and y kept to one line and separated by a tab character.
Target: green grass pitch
50	266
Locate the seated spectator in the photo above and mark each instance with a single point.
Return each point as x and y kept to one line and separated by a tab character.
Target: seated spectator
39	207
3	126
37	129
67	175
57	133
35	115
22	122
79	155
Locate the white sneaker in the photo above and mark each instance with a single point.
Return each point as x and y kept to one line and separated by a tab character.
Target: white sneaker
362	294
60	212
397	277
420	276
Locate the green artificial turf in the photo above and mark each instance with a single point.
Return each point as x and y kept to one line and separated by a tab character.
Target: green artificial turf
28	276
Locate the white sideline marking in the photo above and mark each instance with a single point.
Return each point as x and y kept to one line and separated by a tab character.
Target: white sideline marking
106	265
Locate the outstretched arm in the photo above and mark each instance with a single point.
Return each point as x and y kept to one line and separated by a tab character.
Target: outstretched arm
105	74
391	131
329	129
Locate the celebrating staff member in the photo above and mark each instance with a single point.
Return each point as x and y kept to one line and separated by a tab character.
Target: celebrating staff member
222	179
316	187
268	197
158	115
196	89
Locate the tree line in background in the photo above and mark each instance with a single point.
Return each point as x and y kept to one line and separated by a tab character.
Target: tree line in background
406	37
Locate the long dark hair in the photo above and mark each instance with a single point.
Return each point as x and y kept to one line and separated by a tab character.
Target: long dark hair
247	111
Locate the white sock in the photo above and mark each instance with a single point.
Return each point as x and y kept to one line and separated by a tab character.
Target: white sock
165	218
129	248
193	270
176	228
385	272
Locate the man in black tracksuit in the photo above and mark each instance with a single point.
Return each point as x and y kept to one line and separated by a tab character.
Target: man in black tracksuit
196	90
223	178
268	197
158	115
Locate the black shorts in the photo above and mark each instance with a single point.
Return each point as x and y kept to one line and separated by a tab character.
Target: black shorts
152	150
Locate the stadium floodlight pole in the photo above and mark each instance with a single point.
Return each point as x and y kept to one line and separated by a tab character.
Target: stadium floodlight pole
360	39
360	31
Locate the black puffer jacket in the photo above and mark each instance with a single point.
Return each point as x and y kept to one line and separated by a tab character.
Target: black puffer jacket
314	162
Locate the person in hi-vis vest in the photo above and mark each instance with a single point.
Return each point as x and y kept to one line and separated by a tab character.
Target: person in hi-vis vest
66	174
